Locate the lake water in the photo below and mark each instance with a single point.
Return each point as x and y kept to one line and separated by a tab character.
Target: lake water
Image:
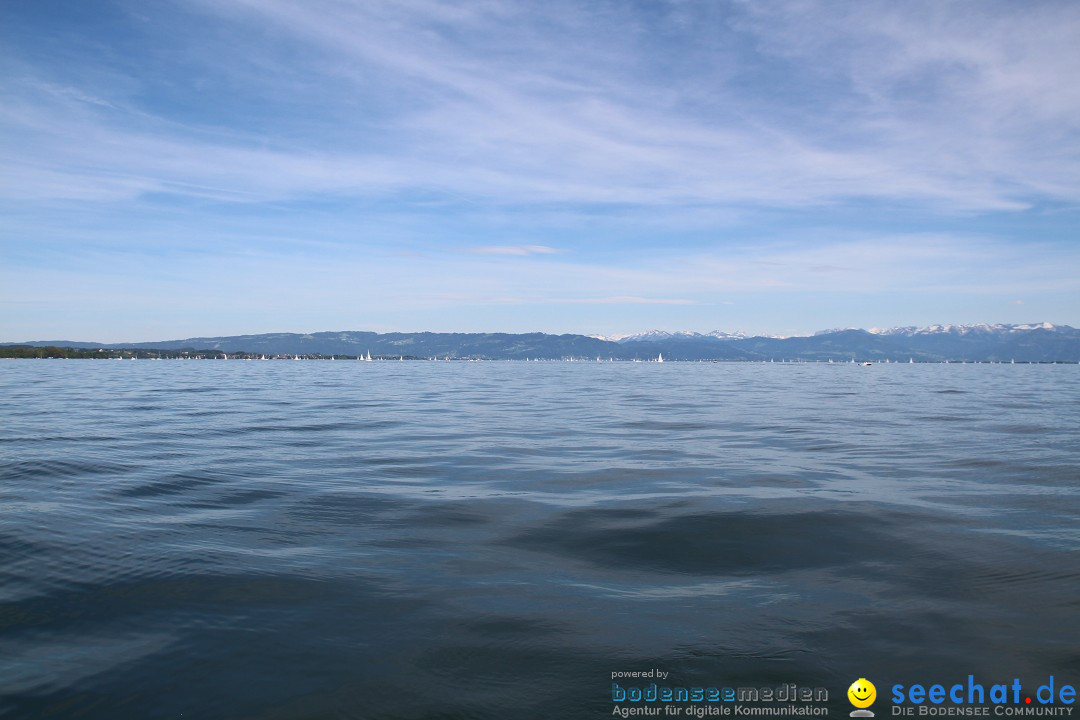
227	539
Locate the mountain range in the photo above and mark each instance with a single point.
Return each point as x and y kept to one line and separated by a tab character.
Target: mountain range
1037	342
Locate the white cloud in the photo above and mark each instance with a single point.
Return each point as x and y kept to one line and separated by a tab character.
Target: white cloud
960	106
519	250
622	300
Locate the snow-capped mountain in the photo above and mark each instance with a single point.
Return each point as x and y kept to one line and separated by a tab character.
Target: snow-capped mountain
1028	342
722	335
975	328
680	336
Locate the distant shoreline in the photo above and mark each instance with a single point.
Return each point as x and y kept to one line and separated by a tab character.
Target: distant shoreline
30	352
1032	343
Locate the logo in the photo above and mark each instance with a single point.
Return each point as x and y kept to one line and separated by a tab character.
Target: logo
862	694
965	699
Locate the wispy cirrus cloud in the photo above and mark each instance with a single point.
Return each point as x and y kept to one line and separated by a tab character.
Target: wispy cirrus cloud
517	250
960	105
622	300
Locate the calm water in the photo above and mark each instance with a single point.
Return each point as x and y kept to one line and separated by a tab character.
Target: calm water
492	540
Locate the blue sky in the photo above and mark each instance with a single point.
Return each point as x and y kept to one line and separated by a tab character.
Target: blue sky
172	169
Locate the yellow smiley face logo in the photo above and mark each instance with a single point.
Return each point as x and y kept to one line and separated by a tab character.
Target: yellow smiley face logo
862	693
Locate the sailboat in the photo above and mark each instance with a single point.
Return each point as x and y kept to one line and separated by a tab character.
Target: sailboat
660	357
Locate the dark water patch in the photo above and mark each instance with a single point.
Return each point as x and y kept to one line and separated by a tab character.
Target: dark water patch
175	484
207	412
1021	578
662	426
825	447
984	463
794	480
719	543
49	470
526	628
946	418
231	628
792	428
991	472
32	439
344	508
352	405
129	599
451	515
186	390
17	550
238	497
1019	429
276	428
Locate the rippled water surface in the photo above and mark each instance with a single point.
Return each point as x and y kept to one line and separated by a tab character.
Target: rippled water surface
226	539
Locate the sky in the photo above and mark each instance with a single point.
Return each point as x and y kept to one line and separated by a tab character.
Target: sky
200	168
